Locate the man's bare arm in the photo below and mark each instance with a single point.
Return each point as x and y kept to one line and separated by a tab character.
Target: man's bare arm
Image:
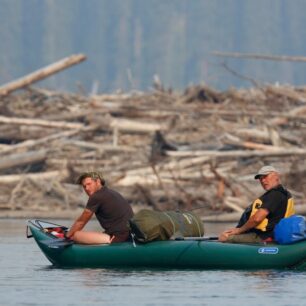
80	222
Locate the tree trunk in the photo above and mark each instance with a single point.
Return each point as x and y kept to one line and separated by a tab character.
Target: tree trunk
39	122
41	73
14	178
22	159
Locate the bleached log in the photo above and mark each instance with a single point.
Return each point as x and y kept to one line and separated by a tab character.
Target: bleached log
300	209
77	162
32	143
39	122
14	178
251	145
22	159
144	180
259	146
292	114
261	56
182	170
301	110
172	165
285	91
254	134
233	203
238	153
135	126
270	135
41	73
70	116
104	147
267	135
244	113
167	177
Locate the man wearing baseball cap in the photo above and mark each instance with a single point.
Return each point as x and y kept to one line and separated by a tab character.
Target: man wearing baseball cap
259	219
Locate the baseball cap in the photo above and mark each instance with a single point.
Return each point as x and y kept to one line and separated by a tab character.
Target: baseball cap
92	174
264	171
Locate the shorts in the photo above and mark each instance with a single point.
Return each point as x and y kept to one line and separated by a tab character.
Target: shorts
121	237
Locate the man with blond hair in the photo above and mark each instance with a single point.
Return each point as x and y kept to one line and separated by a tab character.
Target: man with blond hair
111	209
259	219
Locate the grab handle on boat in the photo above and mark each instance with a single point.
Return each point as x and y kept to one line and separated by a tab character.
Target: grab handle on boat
133	239
57	243
27	233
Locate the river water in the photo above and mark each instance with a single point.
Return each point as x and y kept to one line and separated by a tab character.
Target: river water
27	278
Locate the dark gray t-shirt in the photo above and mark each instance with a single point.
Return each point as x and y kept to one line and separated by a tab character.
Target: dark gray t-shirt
111	210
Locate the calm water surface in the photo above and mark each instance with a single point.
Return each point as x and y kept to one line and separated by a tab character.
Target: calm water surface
27	278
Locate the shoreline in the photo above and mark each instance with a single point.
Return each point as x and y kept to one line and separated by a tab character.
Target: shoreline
29	214
72	215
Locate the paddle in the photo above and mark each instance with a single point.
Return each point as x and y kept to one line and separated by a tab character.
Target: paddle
196	238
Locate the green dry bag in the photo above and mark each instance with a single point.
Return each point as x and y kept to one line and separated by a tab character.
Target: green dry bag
148	225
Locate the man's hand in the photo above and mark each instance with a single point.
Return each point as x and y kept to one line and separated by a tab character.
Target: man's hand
232	231
254	220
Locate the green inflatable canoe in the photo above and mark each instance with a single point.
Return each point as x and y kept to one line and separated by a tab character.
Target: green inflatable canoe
190	253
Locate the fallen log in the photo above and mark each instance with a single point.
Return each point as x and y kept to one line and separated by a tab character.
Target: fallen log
133	126
22	159
254	145
237	153
55	162
32	143
41	73
39	122
104	147
147	176
14	178
234	203
293	114
253	134
284	91
261	56
184	180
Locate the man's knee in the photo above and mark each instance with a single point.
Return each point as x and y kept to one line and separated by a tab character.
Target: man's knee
76	236
244	238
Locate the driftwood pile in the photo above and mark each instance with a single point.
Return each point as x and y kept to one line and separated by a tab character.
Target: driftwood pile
164	149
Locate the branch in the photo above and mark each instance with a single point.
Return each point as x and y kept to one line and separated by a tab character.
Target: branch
261	56
254	82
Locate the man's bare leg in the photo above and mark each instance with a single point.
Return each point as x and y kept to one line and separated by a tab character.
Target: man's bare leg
91	237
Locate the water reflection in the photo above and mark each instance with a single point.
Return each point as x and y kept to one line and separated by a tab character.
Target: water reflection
275	281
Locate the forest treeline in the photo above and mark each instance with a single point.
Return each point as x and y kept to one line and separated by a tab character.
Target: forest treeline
129	42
